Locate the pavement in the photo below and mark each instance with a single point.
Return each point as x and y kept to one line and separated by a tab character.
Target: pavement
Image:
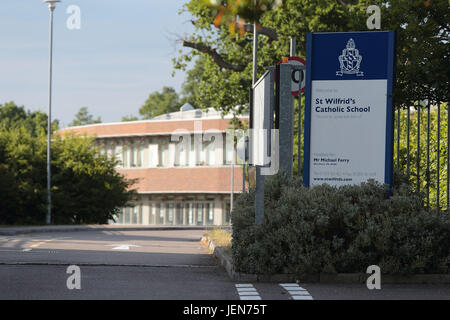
151	264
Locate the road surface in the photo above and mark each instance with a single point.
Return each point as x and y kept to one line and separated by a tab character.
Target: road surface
152	265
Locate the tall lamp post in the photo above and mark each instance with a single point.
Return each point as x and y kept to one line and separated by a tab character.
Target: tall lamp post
48	217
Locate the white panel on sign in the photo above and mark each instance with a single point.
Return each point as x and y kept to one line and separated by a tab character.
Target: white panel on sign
352	148
261	121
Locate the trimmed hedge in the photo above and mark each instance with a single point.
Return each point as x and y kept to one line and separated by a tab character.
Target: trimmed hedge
339	230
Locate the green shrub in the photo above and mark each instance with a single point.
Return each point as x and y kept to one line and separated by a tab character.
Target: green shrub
338	230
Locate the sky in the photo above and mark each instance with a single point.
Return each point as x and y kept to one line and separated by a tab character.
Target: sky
122	52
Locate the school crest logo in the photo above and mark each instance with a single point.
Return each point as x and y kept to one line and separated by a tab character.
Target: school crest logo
350	60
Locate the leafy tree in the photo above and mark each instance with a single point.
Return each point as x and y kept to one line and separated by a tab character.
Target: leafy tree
86	188
83	118
422	42
96	191
129	118
13	116
193	86
422	176
160	102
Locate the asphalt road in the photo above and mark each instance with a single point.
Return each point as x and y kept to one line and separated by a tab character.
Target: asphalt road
154	265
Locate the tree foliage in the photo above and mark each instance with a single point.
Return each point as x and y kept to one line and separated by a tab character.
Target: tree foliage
160	102
324	229
225	79
415	164
128	118
83	117
85	185
13	116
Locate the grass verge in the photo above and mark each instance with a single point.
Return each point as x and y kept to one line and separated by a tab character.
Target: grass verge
222	238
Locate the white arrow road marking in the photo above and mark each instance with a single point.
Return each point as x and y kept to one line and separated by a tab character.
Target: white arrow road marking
121	246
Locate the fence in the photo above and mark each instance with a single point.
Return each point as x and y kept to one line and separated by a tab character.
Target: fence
421	148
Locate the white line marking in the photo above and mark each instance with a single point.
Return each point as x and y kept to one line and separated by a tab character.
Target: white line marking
251	293
302	298
245	289
121	246
298	293
244	285
27	249
289	284
251	298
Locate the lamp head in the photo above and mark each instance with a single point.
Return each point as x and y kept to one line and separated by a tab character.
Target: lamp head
51	3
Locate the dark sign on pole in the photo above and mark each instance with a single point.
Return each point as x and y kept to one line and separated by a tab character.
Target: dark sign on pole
349	109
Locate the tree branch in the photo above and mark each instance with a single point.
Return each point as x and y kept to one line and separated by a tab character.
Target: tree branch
248	27
266	31
217	58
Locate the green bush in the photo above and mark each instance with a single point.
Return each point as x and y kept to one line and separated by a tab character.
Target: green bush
339	230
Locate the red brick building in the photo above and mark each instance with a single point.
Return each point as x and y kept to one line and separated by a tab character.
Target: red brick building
183	163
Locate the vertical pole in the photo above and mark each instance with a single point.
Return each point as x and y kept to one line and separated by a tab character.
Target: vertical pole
448	156
438	152
398	138
299	143
293	44
407	141
232	180
418	147
255	54
259	195
254	78
48	217
428	154
243	176
286	119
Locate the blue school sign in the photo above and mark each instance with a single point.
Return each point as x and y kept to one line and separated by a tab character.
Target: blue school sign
349	116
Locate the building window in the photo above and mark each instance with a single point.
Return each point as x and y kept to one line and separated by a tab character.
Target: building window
191	214
125	156
153	155
210	213
199	214
140	156
127	218
135	211
179	213
228	149
182	158
227	215
169	219
162	212
162	155
133	154
119	219
192	154
118	155
152	213
210	149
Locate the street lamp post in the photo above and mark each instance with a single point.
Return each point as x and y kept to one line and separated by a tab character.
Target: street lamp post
51	7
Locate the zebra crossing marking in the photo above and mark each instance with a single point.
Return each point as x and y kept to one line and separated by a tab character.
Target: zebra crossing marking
296	292
247	292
